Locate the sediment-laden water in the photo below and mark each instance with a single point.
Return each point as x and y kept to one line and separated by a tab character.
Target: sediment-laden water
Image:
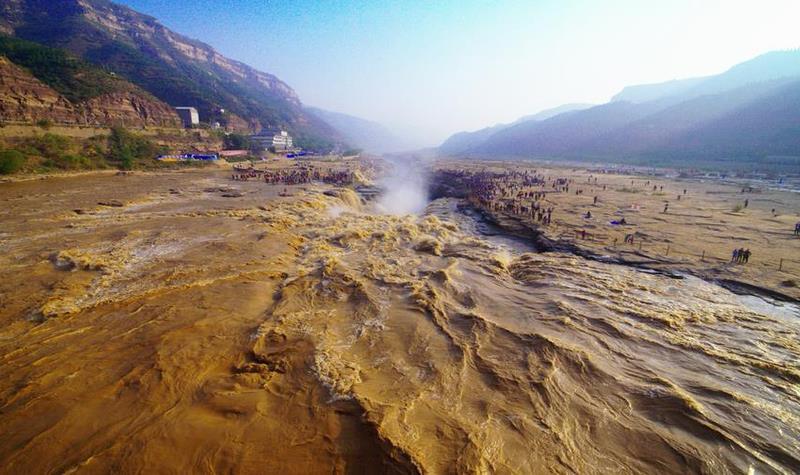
310	334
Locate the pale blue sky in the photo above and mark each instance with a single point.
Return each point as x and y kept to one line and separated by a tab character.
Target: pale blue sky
428	69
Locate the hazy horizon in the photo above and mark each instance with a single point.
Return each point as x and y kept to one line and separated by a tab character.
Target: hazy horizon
426	71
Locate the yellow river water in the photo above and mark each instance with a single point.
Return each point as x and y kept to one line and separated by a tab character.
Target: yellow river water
185	331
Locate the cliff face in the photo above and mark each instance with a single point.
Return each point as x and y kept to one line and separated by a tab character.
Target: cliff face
129	109
177	70
143	30
23	98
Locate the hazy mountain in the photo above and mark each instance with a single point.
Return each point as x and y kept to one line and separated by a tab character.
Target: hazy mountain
749	111
766	67
565	133
463	141
651	92
178	70
362	133
622	130
654	131
548	113
766	126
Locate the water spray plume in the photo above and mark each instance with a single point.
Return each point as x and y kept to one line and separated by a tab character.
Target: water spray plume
405	187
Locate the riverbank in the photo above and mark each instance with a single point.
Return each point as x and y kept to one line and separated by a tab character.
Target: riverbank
677	225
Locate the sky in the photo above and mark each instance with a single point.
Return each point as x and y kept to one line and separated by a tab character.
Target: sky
427	69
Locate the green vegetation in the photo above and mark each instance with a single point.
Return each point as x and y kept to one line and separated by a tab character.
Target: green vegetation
74	79
44	123
246	158
126	149
11	161
738	208
351	152
45	153
52	152
236	142
313	143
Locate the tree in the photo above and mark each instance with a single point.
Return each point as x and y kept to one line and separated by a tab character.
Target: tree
10	161
126	148
236	142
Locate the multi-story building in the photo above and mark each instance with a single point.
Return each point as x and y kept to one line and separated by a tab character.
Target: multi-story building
282	141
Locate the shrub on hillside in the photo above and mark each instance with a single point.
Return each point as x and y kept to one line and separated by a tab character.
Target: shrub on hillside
236	142
69	162
11	161
126	148
50	146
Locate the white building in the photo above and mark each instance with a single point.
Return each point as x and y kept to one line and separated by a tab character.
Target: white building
282	140
189	116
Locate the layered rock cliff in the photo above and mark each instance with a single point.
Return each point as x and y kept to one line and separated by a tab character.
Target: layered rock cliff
25	99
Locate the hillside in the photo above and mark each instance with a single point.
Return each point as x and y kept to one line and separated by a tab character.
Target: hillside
552	112
365	134
651	134
40	84
564	134
768	126
178	70
464	141
766	67
651	92
749	112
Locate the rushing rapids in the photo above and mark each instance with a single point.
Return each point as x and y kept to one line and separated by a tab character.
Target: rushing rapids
314	333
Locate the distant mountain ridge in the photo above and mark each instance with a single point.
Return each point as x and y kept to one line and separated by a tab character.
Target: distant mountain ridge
176	69
756	102
552	112
464	141
765	67
362	133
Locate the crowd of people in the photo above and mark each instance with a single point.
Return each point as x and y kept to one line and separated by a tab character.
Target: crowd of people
522	194
531	196
294	176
